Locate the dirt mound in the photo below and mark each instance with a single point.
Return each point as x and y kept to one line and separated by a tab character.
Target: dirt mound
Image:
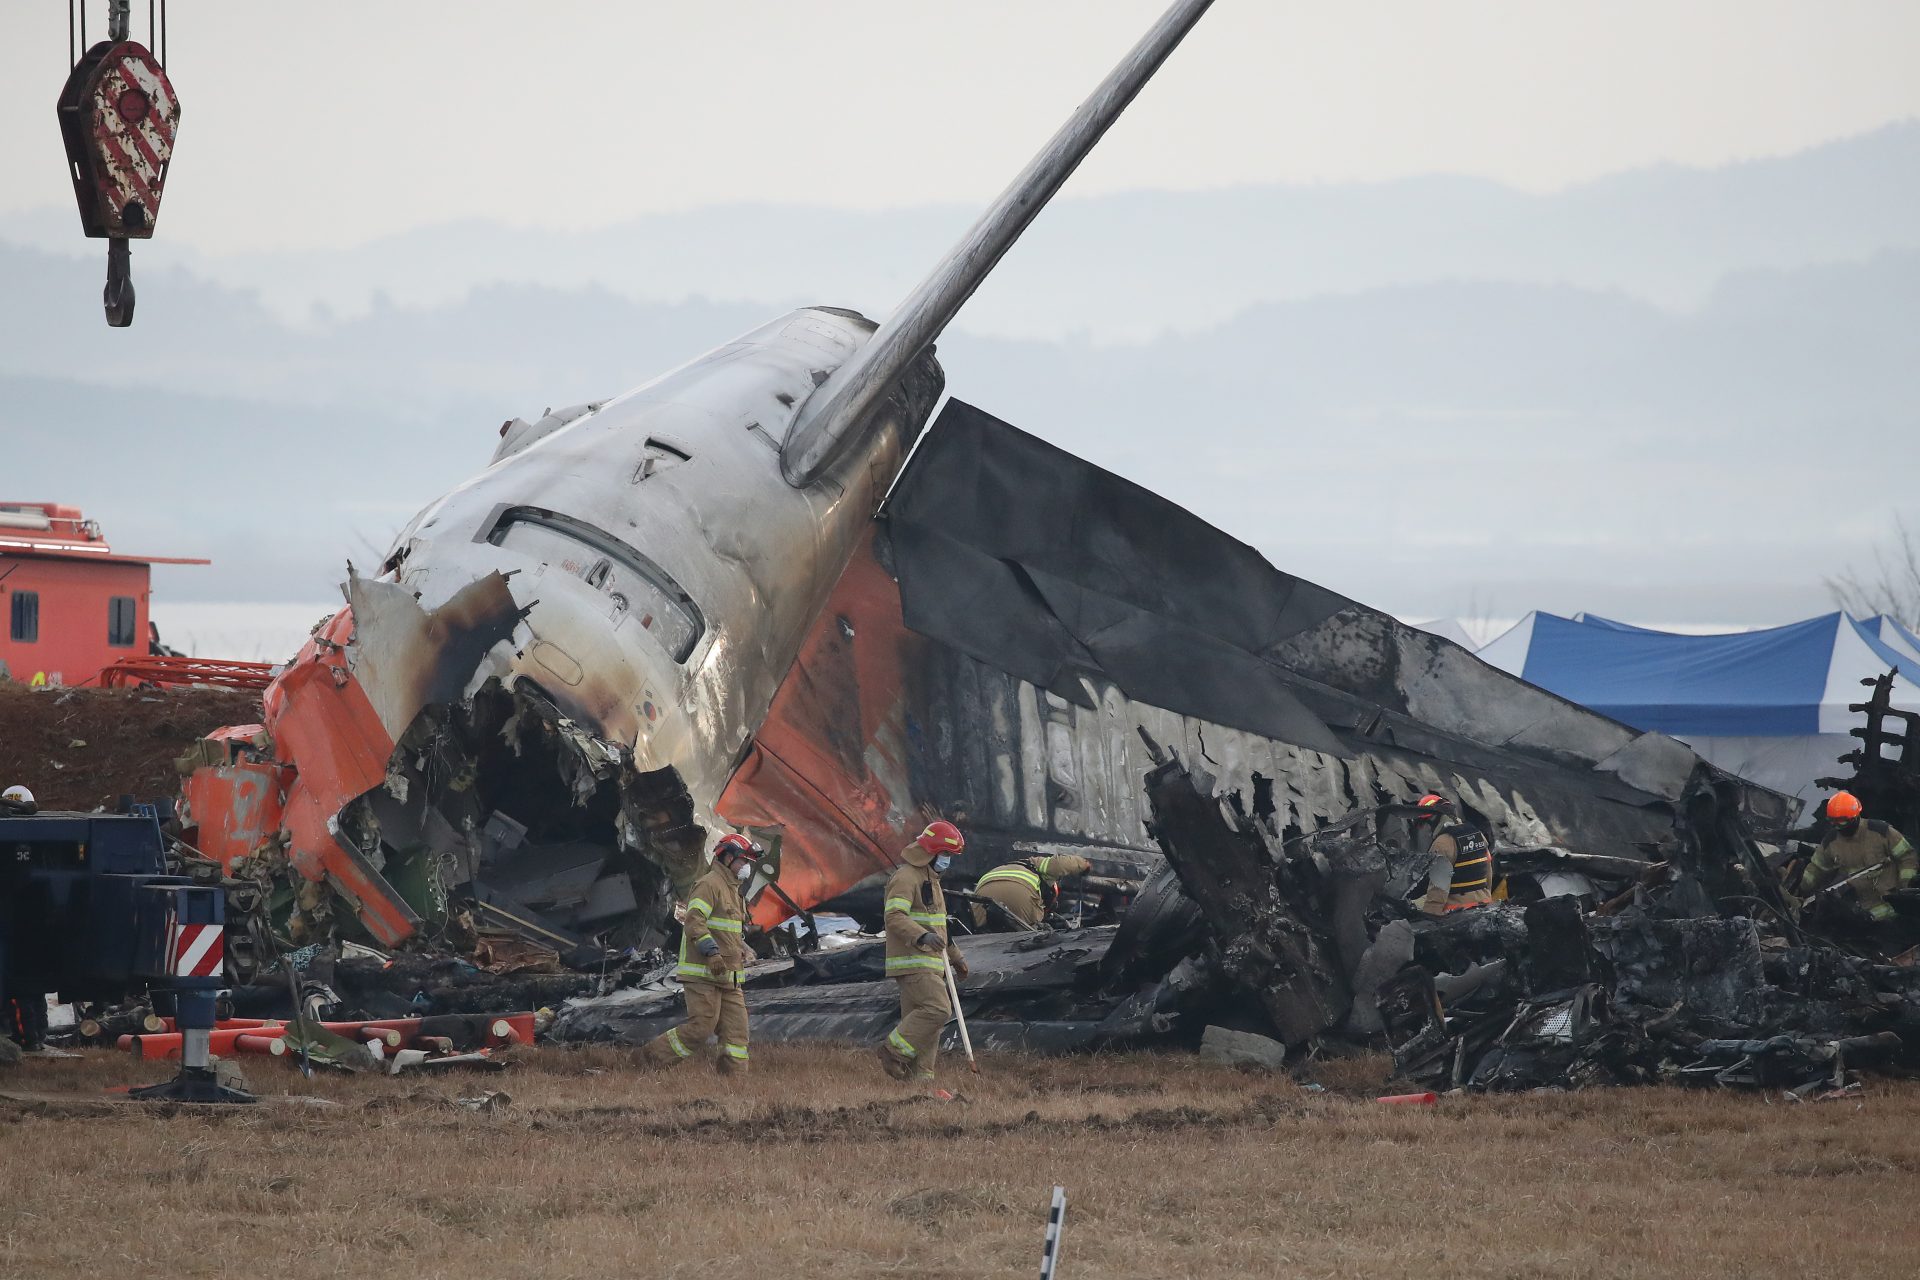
85	748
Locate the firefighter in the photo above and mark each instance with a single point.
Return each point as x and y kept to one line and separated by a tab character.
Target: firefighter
1460	875
713	959
918	952
1852	847
1024	888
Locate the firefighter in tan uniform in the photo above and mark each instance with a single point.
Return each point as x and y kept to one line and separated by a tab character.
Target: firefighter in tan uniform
1020	887
1852	847
1460	876
713	959
918	952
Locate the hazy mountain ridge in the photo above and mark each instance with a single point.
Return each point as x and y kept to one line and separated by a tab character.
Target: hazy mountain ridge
1132	266
1392	442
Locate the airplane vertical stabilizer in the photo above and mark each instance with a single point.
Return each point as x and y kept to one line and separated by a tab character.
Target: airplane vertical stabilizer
834	415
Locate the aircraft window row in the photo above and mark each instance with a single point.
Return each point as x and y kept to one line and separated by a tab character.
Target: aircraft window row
632	583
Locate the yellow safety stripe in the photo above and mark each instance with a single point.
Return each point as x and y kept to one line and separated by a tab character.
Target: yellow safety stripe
723	925
701	905
1485	862
1882	912
1019	875
673	1043
898	904
701	973
1042	864
899	1042
903	964
736	1051
929	918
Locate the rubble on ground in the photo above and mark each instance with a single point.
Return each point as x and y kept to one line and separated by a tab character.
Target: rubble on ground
1692	963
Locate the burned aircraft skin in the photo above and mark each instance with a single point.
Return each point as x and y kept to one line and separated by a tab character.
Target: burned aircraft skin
663	555
1018	616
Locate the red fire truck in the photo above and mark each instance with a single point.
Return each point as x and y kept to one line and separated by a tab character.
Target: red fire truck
69	605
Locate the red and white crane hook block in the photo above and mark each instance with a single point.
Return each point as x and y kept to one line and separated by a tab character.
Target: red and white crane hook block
119	117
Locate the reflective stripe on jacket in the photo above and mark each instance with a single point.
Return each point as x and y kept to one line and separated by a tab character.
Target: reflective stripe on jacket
1877	848
715	910
915	905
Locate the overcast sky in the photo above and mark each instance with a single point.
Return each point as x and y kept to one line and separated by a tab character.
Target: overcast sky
319	126
325	124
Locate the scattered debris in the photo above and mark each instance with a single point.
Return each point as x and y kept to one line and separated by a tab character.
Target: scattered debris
1242	1048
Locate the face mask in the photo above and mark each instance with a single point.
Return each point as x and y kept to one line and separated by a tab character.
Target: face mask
941	863
742	871
1849	827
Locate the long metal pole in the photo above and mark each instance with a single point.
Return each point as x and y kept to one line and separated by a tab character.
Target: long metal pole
966	1041
1056	1221
846	401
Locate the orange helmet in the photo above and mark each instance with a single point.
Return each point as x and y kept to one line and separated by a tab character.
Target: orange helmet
941	837
1435	802
1843	806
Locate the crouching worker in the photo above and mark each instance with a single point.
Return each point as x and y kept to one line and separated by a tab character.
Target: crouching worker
1460	876
918	952
1871	858
1023	888
713	959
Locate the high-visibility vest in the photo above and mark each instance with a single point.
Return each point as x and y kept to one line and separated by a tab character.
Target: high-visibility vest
1472	860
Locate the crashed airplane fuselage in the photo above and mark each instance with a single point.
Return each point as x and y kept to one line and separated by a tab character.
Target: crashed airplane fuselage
544	689
649	575
675	610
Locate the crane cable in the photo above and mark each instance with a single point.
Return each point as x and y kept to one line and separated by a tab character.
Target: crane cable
156	28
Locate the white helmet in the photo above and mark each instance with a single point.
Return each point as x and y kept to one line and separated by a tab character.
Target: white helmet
17	794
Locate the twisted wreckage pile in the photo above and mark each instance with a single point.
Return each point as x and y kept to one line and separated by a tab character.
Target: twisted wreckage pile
1689	967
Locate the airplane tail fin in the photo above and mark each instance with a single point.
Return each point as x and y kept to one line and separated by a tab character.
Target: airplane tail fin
834	416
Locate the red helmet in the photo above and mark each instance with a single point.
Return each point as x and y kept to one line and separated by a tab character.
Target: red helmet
941	837
735	847
1843	806
1434	802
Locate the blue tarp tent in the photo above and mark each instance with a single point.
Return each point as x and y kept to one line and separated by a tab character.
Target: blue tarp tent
1769	705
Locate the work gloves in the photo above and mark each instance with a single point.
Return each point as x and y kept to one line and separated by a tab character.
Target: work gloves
930	941
711	950
960	970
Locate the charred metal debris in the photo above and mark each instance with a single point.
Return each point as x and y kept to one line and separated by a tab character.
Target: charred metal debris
1691	967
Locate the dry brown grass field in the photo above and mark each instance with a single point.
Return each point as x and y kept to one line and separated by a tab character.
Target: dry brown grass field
818	1166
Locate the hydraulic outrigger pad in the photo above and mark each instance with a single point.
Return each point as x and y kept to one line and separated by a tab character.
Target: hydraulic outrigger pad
119	118
196	1082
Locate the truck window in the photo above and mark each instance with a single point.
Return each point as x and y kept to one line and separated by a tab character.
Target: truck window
120	622
26	616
